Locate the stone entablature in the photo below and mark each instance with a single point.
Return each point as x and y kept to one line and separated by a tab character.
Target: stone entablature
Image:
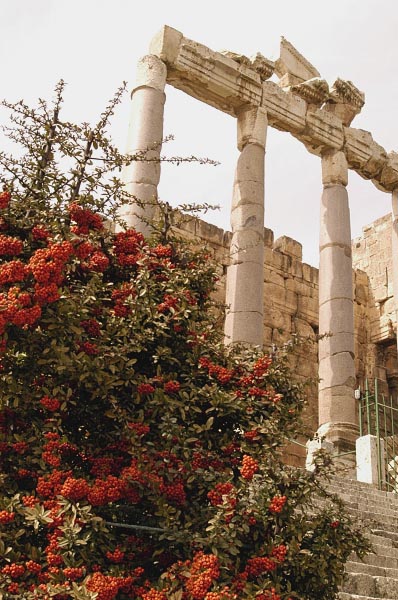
229	84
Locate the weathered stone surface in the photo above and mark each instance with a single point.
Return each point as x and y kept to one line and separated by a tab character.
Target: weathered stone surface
151	72
293	65
285	111
334	168
335	218
389	174
367	459
243	329
252	127
166	44
289	246
214	78
314	91
394	254
323	131
345	101
247	220
145	139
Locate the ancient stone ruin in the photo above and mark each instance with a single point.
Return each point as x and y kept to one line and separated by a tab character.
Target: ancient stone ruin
354	296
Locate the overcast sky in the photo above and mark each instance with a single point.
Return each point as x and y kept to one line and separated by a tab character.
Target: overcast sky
95	44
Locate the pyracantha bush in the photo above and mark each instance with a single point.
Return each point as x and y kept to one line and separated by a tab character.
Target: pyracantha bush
139	457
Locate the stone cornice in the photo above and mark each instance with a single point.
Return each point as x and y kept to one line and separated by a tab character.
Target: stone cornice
229	84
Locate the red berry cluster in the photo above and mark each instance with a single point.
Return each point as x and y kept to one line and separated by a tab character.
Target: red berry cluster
121	296
174	492
75	489
154	595
261	366
169	303
161	251
88	348
91	327
145	388
139	428
117	556
51	404
13	271
85	219
172	387
279	553
106	586
40	233
13	570
5	198
10	246
259	565
204	571
277	504
270	595
6	516
222	374
223	493
334	524
251	435
249	467
128	247
73	573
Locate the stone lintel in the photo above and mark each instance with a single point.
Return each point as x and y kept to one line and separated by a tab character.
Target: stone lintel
323	131
286	111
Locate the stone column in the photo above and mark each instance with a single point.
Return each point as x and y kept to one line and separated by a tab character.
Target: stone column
337	406
394	250
245	275
145	137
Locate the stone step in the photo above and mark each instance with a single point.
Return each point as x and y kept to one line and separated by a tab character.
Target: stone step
383	550
363	584
353	566
380	540
391	535
346	596
374	496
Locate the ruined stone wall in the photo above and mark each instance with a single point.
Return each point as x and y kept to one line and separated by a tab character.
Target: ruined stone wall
291	306
376	327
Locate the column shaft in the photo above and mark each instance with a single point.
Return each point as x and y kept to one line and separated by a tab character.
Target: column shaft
145	137
394	250
337	407
245	275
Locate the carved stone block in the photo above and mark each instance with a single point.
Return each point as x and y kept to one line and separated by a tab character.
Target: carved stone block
389	174
285	111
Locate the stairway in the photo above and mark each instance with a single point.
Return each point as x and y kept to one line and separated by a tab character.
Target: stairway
377	575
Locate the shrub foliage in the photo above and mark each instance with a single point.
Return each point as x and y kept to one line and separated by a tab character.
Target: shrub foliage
139	457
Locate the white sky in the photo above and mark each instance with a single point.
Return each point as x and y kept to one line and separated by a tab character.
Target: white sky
94	45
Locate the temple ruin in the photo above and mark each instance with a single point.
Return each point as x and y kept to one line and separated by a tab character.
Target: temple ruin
354	295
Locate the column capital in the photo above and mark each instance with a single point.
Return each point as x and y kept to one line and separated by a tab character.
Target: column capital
334	168
151	72
252	126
